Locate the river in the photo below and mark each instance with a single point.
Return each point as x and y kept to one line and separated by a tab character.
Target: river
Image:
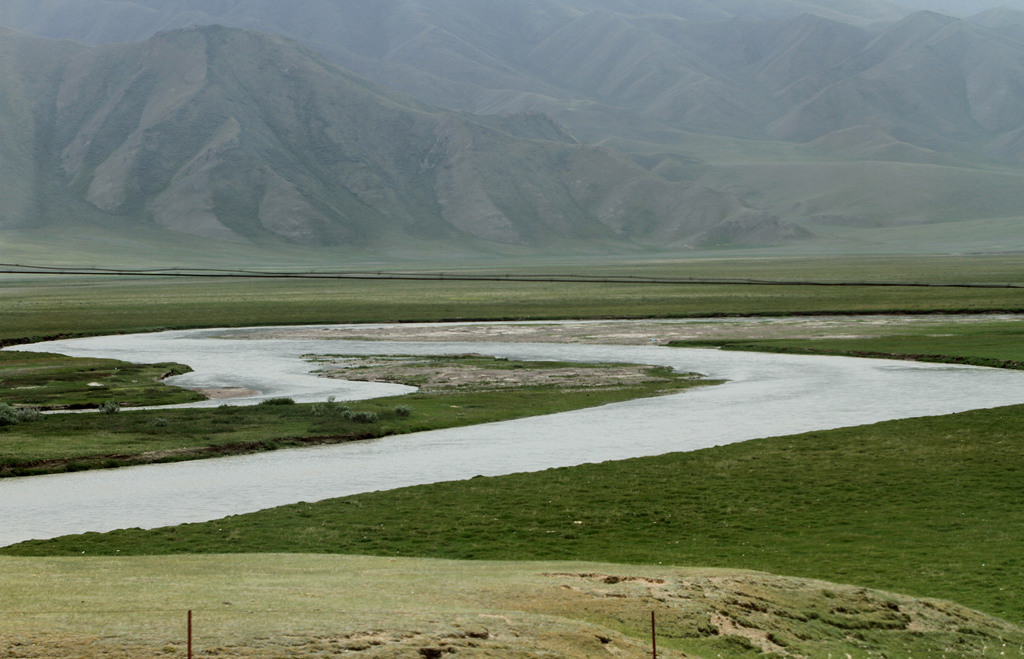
765	395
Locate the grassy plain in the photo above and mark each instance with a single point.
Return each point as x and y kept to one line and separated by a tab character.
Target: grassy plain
996	342
33	308
930	507
265	605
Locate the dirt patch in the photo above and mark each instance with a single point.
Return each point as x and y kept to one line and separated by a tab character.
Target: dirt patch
227	392
750	613
477	372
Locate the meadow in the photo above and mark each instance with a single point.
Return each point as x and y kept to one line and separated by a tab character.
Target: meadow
927	507
33	308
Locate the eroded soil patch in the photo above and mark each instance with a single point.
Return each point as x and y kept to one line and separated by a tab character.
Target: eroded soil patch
481	373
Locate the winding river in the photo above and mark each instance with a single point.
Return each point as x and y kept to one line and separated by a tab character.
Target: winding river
766	395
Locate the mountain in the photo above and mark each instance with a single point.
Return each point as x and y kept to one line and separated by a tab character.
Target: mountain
239	136
713	99
930	80
780	69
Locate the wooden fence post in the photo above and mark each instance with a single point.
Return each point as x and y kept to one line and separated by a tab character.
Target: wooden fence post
654	639
190	634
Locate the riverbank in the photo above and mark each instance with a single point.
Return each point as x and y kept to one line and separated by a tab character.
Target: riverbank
474	390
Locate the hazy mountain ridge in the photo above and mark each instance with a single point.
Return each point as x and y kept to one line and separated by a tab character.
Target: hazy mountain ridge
780	69
240	136
703	93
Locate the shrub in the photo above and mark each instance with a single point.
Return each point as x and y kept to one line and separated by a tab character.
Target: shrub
402	411
361	417
329	407
109	407
278	401
8	415
28	414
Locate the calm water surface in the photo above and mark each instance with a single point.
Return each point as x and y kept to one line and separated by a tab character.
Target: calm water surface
766	395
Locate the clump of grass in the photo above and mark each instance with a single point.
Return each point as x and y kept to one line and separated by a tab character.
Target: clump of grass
328	407
28	414
8	415
402	411
109	407
11	415
281	400
361	416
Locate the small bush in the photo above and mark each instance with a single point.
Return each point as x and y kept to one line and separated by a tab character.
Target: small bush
361	417
329	407
28	414
161	422
278	401
402	411
109	407
8	415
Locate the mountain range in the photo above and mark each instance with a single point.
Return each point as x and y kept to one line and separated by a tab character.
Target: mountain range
536	124
236	135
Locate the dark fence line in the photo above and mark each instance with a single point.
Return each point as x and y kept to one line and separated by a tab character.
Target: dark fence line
18	269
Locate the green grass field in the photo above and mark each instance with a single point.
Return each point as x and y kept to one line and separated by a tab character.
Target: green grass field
996	343
50	382
929	507
299	605
34	308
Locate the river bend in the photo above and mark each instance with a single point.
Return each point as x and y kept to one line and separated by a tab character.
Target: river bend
766	395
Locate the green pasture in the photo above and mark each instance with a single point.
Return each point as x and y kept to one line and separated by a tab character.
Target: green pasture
267	606
929	507
32	307
997	343
49	381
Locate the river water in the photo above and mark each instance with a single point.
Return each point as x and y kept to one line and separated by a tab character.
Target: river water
766	395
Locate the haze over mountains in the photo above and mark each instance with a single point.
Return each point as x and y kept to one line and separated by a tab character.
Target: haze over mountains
829	125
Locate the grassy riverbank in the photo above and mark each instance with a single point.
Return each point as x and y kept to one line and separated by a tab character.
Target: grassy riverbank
996	343
55	382
929	507
73	442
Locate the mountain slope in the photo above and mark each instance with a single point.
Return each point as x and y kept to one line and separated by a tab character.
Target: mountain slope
239	136
705	95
